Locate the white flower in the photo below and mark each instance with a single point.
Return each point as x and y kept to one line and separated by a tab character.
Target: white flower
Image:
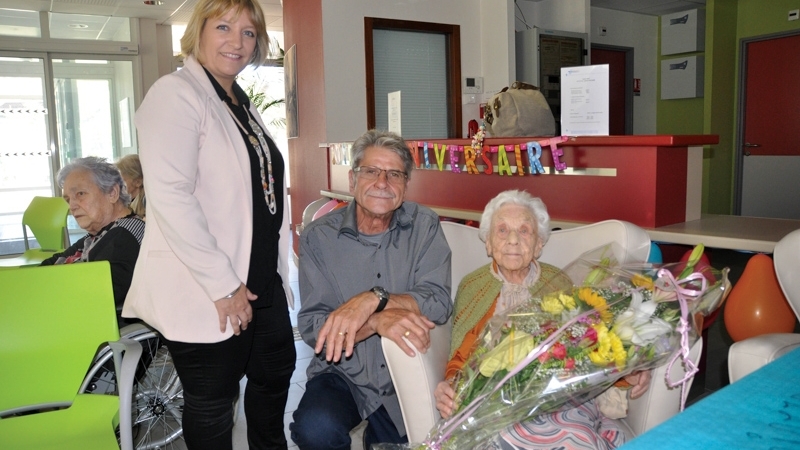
637	324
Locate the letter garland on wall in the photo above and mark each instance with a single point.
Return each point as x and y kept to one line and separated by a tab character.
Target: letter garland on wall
471	155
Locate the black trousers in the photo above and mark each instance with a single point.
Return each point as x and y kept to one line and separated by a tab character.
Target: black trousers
210	374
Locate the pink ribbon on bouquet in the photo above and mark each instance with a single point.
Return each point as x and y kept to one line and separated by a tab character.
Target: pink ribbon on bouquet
683	327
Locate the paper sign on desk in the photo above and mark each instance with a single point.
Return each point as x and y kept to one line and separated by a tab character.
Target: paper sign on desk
395	112
584	100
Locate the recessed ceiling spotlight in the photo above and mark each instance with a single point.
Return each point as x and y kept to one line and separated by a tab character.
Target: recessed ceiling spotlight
153	2
78	25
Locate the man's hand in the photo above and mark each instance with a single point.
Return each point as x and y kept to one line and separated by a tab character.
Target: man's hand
640	382
340	329
397	323
236	309
444	394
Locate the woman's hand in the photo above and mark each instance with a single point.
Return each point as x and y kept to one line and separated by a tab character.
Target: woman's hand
236	309
640	382
444	394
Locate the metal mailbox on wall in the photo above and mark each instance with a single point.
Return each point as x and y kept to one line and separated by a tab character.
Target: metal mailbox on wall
683	32
682	77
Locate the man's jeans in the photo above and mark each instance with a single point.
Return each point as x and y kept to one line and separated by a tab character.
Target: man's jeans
327	413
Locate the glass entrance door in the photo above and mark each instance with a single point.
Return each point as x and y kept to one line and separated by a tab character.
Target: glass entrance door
25	155
92	116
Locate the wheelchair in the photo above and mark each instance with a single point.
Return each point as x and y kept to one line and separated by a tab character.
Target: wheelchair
157	405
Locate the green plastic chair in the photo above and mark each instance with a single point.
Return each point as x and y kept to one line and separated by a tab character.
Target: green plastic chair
53	319
47	219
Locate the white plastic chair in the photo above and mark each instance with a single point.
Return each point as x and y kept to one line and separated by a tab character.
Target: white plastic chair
416	378
751	354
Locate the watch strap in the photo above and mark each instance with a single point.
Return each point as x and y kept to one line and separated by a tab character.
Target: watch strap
383	298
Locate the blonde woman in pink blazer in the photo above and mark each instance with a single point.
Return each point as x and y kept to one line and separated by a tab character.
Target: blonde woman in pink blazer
211	272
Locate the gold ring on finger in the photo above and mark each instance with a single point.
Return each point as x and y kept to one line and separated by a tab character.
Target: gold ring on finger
407	333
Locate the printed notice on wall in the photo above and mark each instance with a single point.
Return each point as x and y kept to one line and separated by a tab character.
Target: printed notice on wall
395	124
584	100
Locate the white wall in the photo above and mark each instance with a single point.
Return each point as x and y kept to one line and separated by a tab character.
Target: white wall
487	48
345	65
639	31
148	53
497	47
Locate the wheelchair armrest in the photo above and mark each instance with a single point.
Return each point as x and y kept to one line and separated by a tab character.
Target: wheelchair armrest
125	367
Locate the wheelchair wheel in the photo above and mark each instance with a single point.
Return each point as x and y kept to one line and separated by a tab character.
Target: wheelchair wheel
157	405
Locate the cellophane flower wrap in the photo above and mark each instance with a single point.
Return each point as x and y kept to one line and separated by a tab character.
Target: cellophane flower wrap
563	348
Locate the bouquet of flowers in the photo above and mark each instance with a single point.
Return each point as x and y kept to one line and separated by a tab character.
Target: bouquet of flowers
562	348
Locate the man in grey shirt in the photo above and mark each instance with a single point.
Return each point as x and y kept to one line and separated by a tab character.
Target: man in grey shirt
378	268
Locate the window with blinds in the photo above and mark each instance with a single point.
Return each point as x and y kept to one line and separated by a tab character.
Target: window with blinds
414	63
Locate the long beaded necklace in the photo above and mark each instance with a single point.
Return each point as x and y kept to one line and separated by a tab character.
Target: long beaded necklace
262	150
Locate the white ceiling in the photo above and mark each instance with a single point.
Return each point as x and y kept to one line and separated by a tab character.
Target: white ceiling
178	12
170	12
650	7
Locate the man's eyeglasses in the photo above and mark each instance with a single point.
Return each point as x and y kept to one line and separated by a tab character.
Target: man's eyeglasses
370	173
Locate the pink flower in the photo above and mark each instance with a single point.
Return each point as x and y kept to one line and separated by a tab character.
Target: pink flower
544	357
559	351
569	363
590	337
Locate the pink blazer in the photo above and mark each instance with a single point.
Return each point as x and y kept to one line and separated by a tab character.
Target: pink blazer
196	247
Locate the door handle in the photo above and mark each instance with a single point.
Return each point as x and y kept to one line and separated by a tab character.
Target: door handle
749	145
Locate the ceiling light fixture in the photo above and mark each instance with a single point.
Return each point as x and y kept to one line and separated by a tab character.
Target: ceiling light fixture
153	2
78	25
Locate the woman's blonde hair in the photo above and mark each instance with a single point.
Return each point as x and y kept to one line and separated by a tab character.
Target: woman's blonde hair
131	166
212	9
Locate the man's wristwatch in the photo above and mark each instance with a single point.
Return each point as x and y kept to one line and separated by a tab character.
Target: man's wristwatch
383	297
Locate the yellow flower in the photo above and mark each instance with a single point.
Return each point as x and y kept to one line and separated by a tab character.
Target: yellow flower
644	281
593	299
552	305
603	354
620	354
567	300
508	353
609	348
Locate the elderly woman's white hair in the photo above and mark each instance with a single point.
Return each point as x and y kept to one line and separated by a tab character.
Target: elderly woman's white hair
105	175
522	198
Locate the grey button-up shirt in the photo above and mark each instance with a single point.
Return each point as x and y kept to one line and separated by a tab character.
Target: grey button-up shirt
336	264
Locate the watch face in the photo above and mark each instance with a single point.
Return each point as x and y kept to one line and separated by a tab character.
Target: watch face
380	292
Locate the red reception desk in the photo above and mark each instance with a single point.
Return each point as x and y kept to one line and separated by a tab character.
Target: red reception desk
651	181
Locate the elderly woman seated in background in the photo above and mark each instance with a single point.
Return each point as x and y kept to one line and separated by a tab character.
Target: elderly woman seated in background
515	226
97	199
131	170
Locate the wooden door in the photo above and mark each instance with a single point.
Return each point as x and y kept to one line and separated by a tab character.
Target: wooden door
770	136
618	86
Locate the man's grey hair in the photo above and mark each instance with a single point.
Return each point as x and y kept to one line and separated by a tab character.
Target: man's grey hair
104	174
383	139
515	197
